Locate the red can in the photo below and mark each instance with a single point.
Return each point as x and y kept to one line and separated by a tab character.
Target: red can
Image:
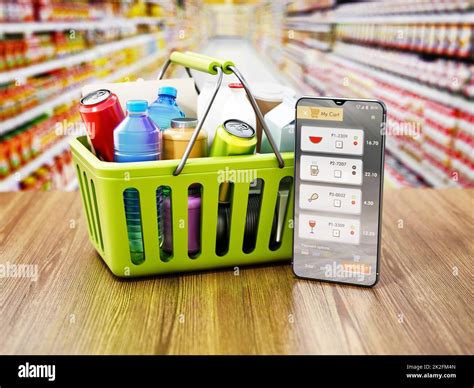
101	113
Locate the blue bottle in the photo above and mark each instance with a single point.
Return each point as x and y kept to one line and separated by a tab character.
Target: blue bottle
162	111
165	108
136	139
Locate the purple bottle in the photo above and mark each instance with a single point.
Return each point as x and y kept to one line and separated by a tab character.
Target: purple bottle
194	224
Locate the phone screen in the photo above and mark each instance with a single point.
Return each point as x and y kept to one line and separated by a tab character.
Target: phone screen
338	189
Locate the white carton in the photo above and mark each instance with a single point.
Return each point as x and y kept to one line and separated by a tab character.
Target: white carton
281	123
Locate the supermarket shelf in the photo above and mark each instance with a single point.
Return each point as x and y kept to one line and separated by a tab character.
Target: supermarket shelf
343	49
415	87
438	18
317	44
308	9
103	24
75	93
135	67
390	180
11	182
37	110
316	84
416	167
86	56
309	27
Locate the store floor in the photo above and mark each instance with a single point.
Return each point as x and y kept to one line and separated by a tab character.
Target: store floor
253	66
421	304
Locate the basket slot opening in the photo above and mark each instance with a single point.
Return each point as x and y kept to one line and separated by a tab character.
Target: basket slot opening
131	201
224	218
165	222
97	217
209	202
84	199
253	215
89	205
194	220
281	211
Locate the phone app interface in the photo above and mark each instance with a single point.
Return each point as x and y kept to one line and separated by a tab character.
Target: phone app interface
338	172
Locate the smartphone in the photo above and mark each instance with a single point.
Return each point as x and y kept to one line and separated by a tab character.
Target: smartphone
339	158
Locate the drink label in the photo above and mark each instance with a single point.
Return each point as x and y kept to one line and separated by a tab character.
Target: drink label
330	199
316	227
332	140
331	170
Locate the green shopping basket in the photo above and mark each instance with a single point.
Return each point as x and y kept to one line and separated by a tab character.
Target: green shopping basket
102	185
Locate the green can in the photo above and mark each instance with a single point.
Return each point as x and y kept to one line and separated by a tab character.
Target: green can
234	137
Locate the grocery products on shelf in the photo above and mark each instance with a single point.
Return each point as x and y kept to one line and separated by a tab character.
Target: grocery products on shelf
451	40
50	49
397	175
418	127
25	51
402	7
414	56
304	6
27	142
20	98
73	10
457	77
58	175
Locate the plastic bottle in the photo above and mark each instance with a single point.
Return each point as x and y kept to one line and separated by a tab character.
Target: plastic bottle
165	108
213	119
162	111
237	106
176	139
136	139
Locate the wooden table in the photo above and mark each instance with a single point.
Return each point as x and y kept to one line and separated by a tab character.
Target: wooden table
422	304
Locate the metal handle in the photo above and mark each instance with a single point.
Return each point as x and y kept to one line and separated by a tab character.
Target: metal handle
202	63
281	162
195	135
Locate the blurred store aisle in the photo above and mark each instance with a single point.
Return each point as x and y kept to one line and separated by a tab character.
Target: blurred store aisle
247	59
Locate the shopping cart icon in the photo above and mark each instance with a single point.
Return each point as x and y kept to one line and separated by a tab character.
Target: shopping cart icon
314	112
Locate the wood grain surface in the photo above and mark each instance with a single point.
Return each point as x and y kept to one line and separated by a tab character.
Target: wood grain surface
423	303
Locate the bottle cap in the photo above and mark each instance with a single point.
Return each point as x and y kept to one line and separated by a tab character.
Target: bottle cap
137	106
239	128
184	122
168	90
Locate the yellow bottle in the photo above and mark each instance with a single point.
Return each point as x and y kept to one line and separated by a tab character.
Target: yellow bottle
176	139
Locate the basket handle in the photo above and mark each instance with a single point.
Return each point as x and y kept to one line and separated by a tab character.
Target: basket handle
204	64
223	63
214	66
